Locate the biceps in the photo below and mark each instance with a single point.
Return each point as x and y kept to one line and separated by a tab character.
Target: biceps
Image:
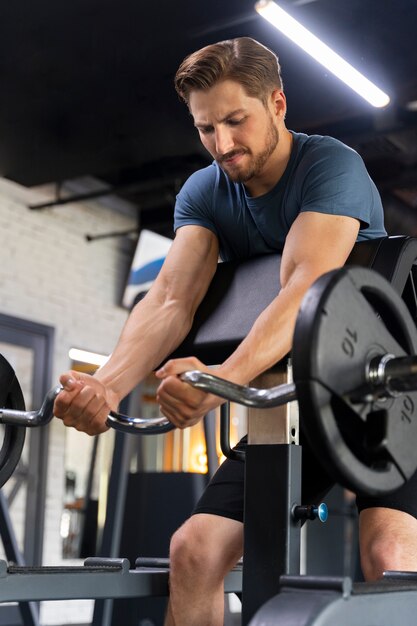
318	243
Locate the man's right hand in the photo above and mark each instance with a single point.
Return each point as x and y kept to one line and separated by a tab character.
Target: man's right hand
84	403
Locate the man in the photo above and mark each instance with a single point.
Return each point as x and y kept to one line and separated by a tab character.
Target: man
269	189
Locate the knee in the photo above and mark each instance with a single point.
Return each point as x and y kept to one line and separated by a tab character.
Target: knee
206	546
184	548
380	553
388	541
189	551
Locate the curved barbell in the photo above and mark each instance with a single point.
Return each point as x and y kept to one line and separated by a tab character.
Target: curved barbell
248	396
385	376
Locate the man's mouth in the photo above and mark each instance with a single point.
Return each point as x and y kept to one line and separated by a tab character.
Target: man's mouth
232	157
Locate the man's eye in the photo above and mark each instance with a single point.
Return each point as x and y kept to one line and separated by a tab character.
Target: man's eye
235	122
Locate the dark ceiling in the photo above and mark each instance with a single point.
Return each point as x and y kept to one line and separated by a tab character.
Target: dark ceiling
87	89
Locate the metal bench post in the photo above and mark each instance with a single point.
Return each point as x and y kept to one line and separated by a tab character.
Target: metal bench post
272	489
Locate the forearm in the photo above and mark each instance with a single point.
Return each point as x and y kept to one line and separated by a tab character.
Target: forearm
151	333
270	338
160	321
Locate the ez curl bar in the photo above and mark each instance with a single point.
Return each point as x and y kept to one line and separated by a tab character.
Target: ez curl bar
355	380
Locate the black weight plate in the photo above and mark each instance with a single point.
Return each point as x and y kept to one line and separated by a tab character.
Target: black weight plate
12	437
348	317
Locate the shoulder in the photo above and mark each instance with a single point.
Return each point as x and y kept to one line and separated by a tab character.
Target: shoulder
194	202
207	188
322	150
201	180
332	178
323	162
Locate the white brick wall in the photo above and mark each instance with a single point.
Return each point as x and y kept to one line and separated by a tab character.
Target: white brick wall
50	274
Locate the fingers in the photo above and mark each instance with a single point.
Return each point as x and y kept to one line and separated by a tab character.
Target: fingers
70	380
82	403
180	403
72	384
175	367
175	393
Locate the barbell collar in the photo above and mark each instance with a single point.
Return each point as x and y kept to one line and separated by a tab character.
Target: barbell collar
392	376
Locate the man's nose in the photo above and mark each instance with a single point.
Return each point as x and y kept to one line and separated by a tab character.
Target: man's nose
224	141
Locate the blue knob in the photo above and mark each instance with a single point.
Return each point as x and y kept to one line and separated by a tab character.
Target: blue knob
311	511
322	512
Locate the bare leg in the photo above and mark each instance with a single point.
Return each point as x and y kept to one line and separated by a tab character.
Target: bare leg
388	541
203	551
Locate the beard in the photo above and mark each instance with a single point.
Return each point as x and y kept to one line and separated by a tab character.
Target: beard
257	162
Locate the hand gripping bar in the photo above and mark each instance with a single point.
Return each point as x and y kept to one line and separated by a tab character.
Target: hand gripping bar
249	396
44	415
385	375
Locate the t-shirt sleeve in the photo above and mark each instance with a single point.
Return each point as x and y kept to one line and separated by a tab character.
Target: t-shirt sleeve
334	180
194	202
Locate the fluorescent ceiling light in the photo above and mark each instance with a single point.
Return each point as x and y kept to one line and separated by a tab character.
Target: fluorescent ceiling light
321	52
83	356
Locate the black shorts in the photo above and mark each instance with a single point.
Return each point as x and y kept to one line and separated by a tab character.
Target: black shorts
224	494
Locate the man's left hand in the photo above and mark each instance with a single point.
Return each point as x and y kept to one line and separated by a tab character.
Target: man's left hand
181	403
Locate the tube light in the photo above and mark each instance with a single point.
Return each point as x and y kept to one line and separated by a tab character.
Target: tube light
321	52
83	356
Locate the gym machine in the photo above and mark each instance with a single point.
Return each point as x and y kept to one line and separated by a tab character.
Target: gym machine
354	379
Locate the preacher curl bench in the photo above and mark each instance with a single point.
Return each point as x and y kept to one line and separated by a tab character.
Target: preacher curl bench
352	360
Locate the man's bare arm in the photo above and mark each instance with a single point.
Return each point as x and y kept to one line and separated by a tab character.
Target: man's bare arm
163	318
156	326
316	243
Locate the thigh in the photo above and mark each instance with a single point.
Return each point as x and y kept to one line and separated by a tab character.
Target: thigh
224	495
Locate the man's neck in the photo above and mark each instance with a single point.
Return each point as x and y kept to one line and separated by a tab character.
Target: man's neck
274	168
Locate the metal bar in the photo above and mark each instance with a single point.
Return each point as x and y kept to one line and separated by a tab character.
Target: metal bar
141	186
118	421
32	419
28	610
400	374
116	505
74	198
276	423
248	396
76	585
210	439
38	452
229	453
20	477
113	233
88	490
272	536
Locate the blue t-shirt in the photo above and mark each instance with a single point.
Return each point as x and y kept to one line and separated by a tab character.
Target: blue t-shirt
322	175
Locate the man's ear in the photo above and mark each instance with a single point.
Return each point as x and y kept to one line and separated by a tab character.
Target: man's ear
279	103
